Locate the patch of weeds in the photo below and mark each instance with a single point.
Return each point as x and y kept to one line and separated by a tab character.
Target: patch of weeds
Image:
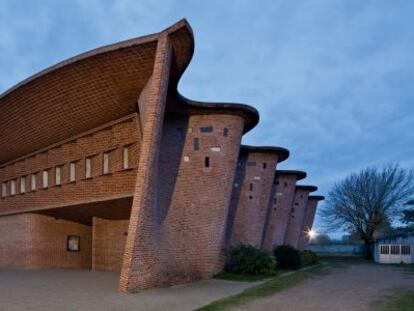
241	277
401	300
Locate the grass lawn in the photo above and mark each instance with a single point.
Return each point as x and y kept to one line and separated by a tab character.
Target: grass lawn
267	288
241	277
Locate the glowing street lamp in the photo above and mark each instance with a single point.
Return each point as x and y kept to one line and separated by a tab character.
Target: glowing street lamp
311	234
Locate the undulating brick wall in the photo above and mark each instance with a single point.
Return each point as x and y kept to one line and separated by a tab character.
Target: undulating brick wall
297	217
37	241
108	243
110	138
250	198
280	208
308	222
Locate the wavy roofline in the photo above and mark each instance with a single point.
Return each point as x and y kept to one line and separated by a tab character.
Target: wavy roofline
250	114
299	174
283	153
309	188
316	197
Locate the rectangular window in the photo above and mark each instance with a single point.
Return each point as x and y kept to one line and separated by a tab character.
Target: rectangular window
88	168
395	249
207	162
385	249
196	143
72	172
405	250
12	187
45	179
33	182
58	176
22	184
106	163
251	187
251	163
225	132
125	158
206	129
3	190
264	165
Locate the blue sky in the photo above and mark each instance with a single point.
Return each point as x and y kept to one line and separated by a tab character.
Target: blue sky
332	79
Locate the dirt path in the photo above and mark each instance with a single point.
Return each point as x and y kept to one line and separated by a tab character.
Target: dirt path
353	288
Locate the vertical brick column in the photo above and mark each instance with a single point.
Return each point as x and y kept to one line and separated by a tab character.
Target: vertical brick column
297	215
140	263
308	222
280	206
251	194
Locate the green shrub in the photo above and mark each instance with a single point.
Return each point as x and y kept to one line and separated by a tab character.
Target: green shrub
246	259
308	258
287	257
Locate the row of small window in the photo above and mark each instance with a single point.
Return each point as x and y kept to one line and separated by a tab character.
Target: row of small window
395	249
58	175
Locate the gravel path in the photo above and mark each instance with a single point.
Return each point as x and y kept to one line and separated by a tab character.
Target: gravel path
356	287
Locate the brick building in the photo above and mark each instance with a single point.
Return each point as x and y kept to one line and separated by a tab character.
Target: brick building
308	220
105	166
251	193
282	195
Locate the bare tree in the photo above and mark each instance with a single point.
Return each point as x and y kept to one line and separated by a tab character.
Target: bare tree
365	201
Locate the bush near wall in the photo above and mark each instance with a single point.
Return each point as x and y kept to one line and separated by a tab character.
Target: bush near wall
287	257
246	259
308	258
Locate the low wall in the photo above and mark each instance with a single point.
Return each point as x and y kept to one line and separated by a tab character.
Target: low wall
338	249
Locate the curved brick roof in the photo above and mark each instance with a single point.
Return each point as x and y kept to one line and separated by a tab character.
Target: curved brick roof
307	187
299	174
316	197
282	153
93	88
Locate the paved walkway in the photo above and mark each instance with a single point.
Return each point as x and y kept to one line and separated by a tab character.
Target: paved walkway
87	290
356	287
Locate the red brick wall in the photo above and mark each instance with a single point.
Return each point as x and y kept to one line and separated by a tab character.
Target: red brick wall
250	199
140	268
37	241
281	203
108	243
108	138
193	199
297	217
308	222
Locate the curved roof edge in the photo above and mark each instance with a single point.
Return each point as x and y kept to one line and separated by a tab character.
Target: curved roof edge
316	197
182	42
299	174
283	153
249	113
309	188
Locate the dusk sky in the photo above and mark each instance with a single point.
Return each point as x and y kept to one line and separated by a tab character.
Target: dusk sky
333	80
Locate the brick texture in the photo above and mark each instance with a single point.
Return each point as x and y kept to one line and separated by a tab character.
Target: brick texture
250	198
283	194
36	241
297	216
308	221
108	244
